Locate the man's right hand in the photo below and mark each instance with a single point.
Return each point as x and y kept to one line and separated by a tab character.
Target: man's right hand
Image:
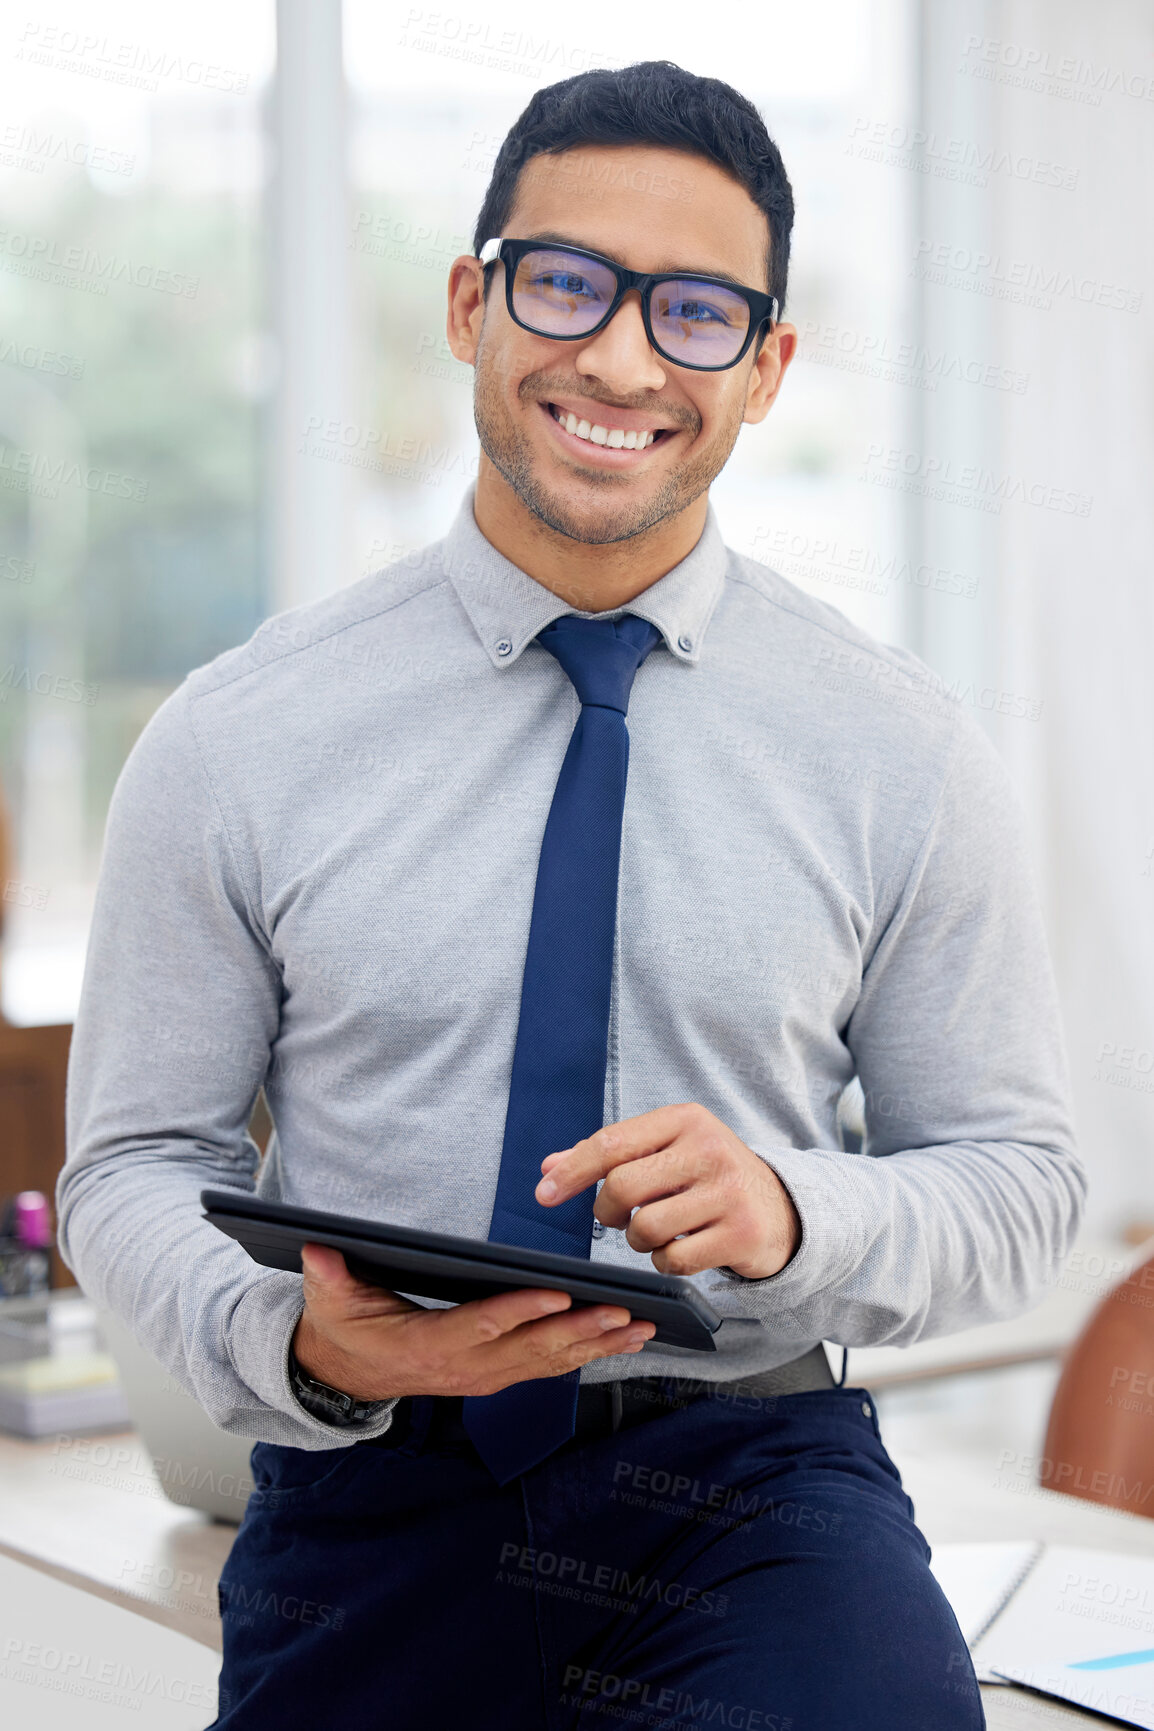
373	1344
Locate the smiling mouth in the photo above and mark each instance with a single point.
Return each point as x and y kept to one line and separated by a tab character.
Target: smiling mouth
603	434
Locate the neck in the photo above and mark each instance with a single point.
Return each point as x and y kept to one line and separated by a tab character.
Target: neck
592	579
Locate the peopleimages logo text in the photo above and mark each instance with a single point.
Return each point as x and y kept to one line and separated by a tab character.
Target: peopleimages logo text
44	252
990	273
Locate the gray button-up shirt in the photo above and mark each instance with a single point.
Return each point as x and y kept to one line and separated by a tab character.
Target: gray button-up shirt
318	875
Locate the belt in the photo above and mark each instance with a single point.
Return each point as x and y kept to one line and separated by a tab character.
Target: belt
605	1407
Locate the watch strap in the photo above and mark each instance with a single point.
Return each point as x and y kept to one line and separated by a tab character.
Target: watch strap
325	1402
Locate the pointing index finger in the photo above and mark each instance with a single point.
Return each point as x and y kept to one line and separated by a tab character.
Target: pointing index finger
572	1170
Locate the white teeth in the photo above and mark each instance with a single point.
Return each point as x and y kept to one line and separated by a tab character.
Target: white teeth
613	437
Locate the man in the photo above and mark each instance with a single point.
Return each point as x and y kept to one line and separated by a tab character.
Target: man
380	859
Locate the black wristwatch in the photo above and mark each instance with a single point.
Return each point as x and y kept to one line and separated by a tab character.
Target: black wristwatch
330	1404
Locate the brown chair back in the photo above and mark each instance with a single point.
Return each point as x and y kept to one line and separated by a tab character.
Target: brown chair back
1100	1438
33	1071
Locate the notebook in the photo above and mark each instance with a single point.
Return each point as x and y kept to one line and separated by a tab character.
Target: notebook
1074	1623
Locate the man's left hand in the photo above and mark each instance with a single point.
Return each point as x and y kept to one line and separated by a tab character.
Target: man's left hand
702	1198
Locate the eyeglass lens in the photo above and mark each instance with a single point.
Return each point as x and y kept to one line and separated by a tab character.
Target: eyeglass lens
563	295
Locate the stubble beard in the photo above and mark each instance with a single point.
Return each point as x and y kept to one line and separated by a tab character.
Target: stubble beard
618	515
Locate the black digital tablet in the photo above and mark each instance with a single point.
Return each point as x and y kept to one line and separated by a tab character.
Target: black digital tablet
438	1265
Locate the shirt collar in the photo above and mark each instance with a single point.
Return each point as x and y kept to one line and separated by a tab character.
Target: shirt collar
507	607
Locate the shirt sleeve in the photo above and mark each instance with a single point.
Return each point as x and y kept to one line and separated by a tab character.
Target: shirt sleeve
178	1013
968	1190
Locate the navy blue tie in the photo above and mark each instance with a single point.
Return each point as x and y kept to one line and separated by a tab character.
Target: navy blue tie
557	1089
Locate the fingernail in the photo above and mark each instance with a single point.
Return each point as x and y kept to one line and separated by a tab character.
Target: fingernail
546	1190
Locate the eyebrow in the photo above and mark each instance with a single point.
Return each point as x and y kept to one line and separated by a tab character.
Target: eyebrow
550	237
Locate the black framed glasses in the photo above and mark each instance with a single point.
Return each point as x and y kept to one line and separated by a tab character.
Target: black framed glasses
567	293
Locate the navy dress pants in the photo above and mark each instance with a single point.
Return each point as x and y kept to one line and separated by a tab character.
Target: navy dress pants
738	1561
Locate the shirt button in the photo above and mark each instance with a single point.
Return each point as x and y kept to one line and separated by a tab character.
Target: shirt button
867	1408
684	642
598	1229
504	647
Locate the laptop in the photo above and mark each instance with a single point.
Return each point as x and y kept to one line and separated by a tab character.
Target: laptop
198	1465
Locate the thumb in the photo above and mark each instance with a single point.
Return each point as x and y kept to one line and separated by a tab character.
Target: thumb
330	1290
322	1267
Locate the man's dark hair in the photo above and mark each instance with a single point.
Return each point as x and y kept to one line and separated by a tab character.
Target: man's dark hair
651	102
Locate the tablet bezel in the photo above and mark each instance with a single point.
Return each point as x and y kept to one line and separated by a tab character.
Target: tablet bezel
441	1265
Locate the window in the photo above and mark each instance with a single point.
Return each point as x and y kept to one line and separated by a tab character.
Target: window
132	374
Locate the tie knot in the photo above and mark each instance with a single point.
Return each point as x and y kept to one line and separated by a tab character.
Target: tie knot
601	656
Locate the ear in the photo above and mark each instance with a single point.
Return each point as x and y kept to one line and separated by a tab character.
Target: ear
768	370
466	307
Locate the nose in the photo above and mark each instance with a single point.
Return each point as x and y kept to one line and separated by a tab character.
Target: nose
620	355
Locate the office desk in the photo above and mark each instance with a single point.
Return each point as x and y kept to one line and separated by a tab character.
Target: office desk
955	1503
92	1514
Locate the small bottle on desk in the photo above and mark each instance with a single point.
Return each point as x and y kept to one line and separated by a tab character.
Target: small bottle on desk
25	1246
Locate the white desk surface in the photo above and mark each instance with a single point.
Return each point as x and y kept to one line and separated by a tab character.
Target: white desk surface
91	1512
93	1515
72	1662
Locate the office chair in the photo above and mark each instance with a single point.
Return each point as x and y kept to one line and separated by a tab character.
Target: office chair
1100	1438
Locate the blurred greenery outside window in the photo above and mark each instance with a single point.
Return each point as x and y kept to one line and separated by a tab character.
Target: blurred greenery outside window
131	405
